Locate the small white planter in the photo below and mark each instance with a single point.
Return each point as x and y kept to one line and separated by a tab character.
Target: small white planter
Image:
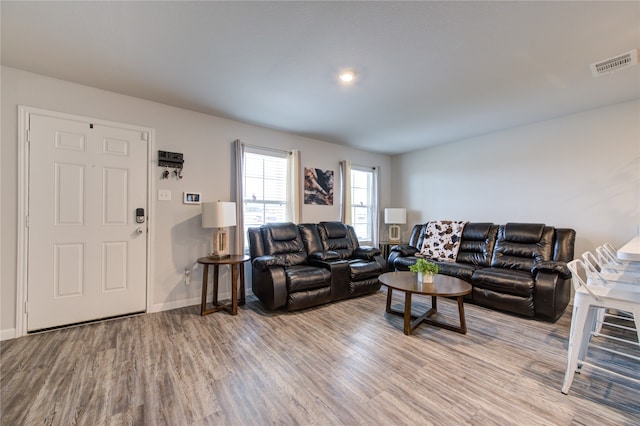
425	277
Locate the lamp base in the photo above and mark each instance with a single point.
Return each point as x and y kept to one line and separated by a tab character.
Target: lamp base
215	256
394	233
220	246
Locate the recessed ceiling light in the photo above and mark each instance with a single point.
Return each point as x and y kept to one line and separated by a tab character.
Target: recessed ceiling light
347	77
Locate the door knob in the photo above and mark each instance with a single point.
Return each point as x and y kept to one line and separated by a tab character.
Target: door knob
139	230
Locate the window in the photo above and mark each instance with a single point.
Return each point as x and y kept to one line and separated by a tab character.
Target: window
362	202
265	188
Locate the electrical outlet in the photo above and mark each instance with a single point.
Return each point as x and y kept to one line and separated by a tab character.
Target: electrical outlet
164	195
187	276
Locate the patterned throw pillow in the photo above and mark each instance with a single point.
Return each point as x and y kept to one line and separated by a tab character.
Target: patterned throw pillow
442	240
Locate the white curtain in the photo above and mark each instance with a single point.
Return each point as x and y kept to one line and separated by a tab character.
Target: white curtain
345	192
375	208
294	199
239	151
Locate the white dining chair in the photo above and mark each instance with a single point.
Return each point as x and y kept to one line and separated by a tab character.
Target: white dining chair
608	255
588	299
606	272
598	274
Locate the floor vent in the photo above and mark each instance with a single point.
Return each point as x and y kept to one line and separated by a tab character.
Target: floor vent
615	64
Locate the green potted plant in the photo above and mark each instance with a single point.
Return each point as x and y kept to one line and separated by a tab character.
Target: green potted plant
425	270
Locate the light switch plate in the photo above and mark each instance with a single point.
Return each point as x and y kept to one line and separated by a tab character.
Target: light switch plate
164	195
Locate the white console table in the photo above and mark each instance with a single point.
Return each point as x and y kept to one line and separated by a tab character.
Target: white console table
630	251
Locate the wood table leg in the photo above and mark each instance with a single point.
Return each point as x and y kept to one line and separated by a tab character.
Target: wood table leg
463	326
241	302
215	285
389	296
205	281
234	290
463	323
407	313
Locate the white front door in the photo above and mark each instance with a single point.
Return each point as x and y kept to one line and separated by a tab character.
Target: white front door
86	253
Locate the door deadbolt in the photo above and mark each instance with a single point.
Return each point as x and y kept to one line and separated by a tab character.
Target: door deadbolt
139	215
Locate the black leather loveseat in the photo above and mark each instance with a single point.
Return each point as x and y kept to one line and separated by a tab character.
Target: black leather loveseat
517	267
299	266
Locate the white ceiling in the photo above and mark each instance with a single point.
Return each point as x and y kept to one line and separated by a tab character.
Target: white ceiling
428	72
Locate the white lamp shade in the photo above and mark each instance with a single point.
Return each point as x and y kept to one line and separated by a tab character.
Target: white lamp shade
395	216
218	214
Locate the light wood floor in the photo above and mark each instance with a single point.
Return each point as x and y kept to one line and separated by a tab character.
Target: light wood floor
344	363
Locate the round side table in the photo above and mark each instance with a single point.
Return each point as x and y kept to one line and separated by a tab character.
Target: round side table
236	263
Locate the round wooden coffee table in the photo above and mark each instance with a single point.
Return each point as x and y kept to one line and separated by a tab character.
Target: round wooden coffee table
442	286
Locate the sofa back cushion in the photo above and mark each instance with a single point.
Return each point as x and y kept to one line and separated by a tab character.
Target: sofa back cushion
564	246
310	237
256	247
442	240
283	240
417	236
336	237
521	245
477	244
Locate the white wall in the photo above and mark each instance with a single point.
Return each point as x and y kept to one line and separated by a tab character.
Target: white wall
206	142
580	171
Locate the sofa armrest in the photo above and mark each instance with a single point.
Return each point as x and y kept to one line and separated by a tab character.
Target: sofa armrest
324	255
552	266
551	295
366	252
405	250
270	286
263	263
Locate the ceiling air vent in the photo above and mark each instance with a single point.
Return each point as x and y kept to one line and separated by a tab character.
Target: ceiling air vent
615	64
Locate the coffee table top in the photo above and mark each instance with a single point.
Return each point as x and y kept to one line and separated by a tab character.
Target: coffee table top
442	285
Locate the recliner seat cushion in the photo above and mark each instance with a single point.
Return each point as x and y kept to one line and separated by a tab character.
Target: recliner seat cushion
517	283
363	269
364	287
403	263
458	270
303	277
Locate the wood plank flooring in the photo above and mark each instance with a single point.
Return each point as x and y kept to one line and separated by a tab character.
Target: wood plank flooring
343	363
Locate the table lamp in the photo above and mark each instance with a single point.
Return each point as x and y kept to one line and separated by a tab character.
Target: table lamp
219	215
395	217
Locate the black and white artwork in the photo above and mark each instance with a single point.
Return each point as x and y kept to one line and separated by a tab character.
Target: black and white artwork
318	186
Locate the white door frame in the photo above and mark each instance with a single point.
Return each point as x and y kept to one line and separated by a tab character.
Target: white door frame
23	204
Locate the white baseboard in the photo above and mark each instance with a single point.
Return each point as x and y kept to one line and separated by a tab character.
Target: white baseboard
10	333
7	334
167	306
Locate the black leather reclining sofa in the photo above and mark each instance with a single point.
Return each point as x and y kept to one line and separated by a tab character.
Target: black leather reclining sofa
299	266
517	267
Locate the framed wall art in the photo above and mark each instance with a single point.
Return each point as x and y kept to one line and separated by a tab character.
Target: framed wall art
318	186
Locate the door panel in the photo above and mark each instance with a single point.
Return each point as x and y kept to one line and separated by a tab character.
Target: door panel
68	272
69	194
86	260
115	183
114	265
